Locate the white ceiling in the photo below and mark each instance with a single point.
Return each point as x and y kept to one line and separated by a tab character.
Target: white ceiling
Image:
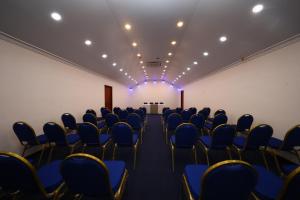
153	28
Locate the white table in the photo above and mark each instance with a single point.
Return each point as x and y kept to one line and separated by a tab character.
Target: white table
160	107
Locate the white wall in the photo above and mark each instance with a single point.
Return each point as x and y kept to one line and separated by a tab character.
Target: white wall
268	87
151	92
36	88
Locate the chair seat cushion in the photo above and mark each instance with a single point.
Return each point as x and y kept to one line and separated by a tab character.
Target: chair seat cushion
101	124
239	141
288	168
275	143
206	141
135	138
193	174
42	139
268	185
208	125
104	138
49	176
72	138
116	171
172	139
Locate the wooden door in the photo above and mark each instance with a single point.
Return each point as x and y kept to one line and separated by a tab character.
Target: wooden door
108	98
182	99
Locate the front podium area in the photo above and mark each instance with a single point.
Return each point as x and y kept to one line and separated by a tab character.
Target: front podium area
154	107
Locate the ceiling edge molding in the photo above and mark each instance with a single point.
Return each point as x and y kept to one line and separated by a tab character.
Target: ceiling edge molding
8	38
260	53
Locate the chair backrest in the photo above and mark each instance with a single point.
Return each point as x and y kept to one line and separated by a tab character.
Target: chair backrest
141	113
55	133
116	110
104	112
122	134
220	111
230	179
178	110
222	136
198	120
123	115
192	110
111	119
69	121
186	115
88	133
291	138
290	190
144	110
91	111
129	109
164	109
134	120
205	112
259	137
185	135
167	113
88	117
244	123
173	121
85	174
219	119
25	133
17	173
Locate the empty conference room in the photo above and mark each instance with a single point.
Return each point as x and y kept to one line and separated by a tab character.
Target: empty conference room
150	99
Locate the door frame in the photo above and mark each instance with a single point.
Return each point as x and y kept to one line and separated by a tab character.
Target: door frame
105	97
182	99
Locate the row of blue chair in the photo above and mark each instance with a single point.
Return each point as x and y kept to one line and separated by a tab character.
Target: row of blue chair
238	180
83	174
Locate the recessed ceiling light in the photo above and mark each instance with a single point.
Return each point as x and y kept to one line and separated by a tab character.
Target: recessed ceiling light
257	8
129	77
183	73
205	53
88	42
134	44
114	64
195	63
138	55
127	27
188	68
141	62
179	76
121	70
125	73
167	61
173	42
166	66
179	24
223	39
143	67
56	16
170	54
164	70
104	56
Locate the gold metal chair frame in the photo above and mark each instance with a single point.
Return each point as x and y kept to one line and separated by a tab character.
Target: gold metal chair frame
118	195
53	195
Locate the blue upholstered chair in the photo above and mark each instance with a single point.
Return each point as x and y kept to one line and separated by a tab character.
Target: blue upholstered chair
116	110
173	121
123	115
28	139
205	112
129	109
135	121
257	140
221	139
185	137
57	135
289	143
88	117
110	120
142	114
90	137
123	135
199	121
165	117
272	187
244	123
104	112
91	111
69	122
164	109
186	115
18	174
178	110
192	110
234	180
88	176
216	121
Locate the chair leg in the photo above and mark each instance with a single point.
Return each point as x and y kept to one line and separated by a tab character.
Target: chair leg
50	154
41	155
114	151
103	152
195	154
166	136
229	152
207	156
173	157
264	158
24	150
240	154
72	148
134	156
273	153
